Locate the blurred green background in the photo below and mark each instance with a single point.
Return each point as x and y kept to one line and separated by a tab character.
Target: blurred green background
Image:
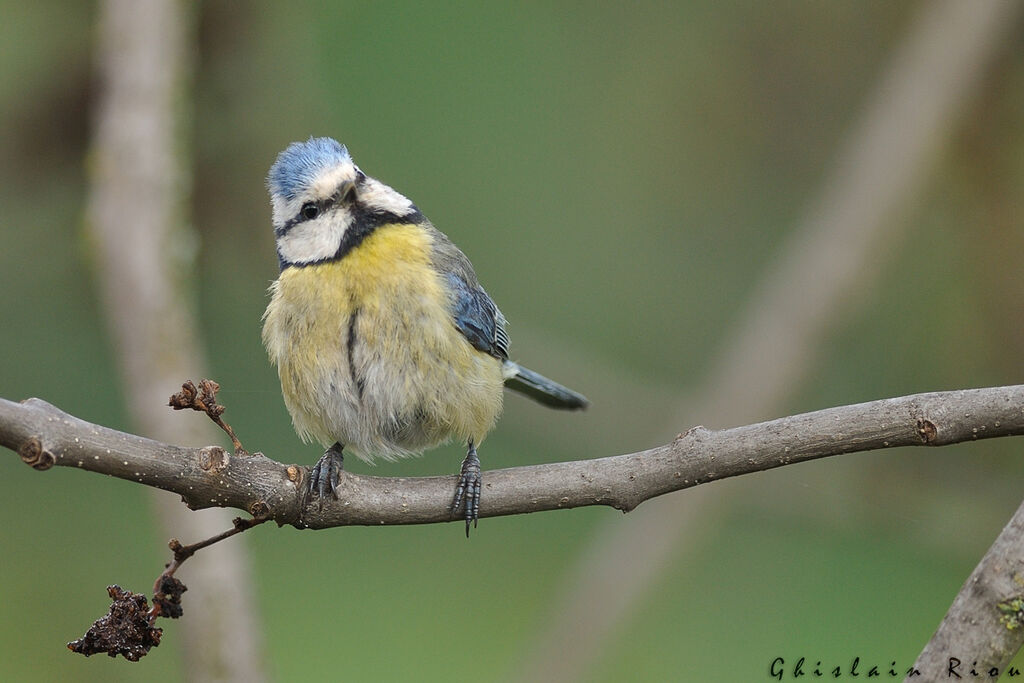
621	176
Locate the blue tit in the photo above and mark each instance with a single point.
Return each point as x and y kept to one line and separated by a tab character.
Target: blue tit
385	343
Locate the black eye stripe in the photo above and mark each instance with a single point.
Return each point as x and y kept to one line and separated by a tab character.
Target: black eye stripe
297	219
364	218
363	224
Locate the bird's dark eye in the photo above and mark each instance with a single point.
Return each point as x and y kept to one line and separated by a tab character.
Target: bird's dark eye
310	211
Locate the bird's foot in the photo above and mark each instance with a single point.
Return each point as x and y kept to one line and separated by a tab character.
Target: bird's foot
467	493
323	478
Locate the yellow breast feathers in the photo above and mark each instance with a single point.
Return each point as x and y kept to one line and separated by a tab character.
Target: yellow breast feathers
369	355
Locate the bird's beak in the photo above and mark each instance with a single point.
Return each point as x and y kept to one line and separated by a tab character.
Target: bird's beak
345	193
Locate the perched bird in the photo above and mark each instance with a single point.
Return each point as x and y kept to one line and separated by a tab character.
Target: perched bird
385	343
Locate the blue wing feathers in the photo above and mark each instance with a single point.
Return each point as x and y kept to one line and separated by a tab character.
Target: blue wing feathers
478	318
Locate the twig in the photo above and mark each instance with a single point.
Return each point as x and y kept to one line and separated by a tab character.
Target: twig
204	400
182	553
128	627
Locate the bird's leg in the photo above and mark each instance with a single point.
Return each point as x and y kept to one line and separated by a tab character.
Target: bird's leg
468	490
323	478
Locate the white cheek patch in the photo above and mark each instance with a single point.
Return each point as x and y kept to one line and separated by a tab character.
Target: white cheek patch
314	240
319	239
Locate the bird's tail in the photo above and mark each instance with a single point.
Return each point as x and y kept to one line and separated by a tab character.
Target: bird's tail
541	389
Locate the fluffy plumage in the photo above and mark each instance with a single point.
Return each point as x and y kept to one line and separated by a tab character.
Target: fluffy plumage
369	356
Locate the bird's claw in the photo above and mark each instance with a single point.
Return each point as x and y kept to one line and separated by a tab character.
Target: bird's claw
467	493
324	477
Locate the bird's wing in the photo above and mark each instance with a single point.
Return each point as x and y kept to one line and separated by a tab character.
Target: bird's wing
477	317
474	312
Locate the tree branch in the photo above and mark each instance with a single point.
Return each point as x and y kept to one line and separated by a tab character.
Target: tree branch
212	477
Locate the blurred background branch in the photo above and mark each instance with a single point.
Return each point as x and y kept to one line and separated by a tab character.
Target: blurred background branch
145	263
825	267
985	623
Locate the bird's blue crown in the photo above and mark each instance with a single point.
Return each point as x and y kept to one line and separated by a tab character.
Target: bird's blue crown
298	165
